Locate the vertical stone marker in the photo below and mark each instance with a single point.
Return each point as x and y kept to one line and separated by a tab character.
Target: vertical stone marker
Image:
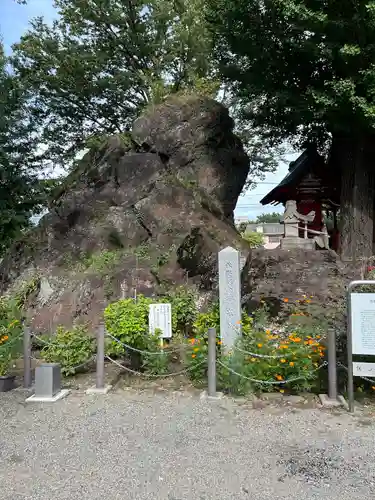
230	296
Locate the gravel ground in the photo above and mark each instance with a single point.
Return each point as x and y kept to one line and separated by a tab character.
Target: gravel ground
173	446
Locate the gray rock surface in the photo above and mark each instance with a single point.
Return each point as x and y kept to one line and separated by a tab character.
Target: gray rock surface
148	210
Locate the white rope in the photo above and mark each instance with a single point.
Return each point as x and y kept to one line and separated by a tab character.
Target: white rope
267	356
74	367
372	381
158	353
155	376
61	346
267	382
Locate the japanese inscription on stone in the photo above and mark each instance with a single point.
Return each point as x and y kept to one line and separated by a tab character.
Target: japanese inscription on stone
230	295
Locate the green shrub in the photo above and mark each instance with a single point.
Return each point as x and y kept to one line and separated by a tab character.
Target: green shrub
183	302
10	334
69	348
292	352
157	361
254	239
127	320
211	319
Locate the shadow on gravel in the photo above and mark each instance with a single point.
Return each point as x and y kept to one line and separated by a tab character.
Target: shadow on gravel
327	465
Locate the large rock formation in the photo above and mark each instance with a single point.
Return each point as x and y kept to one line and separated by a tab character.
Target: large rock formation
144	211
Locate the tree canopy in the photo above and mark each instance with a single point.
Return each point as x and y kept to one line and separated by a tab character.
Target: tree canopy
102	61
20	190
305	70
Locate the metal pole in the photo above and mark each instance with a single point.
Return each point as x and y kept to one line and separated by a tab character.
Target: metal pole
26	357
100	357
349	348
211	362
332	373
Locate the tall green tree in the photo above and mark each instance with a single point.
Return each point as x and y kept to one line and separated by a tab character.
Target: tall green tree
271	217
305	70
102	61
20	190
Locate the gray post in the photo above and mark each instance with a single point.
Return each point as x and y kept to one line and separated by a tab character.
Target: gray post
100	358
332	373
211	373
26	357
350	348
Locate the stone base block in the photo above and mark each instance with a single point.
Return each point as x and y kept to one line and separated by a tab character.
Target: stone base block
332	403
289	243
97	390
204	395
41	399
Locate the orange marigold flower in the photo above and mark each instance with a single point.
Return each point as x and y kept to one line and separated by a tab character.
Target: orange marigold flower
291	363
318	336
279	377
192	341
297	339
219	342
283	346
193	355
260	345
5	337
286	300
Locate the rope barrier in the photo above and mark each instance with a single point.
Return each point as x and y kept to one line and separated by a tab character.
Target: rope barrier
372	381
93	358
267	356
151	375
157	353
267	382
39	339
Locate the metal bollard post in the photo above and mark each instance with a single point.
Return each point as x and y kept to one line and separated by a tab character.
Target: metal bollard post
26	357
100	358
332	373
211	362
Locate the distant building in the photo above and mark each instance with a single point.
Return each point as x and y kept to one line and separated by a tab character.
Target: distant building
240	219
272	233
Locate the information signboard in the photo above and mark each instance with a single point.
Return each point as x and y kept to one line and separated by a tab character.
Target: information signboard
363	323
361	333
160	316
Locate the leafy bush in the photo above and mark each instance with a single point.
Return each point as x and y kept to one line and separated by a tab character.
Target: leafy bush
157	361
184	309
127	320
69	348
254	239
10	334
291	351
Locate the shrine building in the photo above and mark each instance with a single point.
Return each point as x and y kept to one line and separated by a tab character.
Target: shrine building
310	192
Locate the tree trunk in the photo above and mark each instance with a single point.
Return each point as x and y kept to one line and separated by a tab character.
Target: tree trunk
355	157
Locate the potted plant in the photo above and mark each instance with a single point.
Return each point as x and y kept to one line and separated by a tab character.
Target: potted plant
10	343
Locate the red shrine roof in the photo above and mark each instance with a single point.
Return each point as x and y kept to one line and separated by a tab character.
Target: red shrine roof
309	177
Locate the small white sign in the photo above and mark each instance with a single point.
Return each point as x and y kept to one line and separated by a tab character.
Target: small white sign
160	316
364	369
363	323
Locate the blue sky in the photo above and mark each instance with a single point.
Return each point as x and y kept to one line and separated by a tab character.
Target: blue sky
14	20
